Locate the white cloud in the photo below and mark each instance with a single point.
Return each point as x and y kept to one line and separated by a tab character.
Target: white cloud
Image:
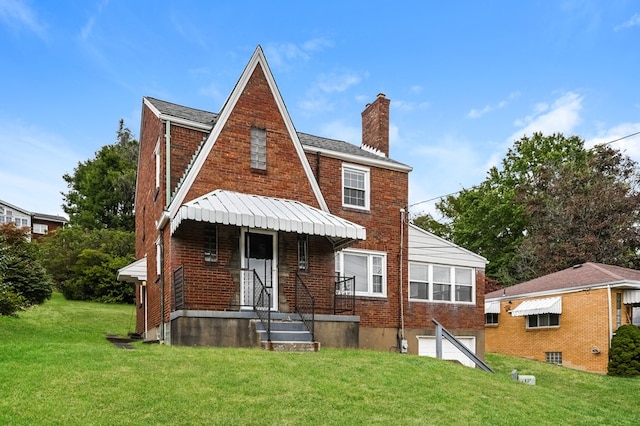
406	106
563	115
210	91
630	146
32	174
342	131
415	89
634	21
282	54
329	83
477	113
16	14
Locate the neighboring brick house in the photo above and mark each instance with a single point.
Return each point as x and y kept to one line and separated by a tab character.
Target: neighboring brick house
565	318
39	224
237	208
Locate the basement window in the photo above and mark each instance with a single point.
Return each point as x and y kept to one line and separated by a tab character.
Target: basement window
553	357
303	252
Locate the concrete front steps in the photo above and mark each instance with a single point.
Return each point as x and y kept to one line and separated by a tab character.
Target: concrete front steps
287	335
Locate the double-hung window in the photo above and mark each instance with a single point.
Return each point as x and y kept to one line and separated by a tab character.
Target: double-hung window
369	269
355	187
440	283
39	228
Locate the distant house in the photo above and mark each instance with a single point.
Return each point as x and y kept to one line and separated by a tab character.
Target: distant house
565	318
246	228
39	224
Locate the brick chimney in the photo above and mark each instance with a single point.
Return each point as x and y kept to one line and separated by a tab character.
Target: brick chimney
375	125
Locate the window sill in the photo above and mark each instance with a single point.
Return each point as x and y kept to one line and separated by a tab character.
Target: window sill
371	296
442	302
355	209
551	327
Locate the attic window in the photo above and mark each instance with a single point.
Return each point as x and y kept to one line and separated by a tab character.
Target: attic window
258	149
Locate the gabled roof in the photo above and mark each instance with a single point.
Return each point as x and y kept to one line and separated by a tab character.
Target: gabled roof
50	217
329	146
427	247
276	214
12	207
171	110
257	60
586	275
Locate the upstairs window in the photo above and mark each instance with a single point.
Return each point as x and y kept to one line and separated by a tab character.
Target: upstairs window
258	149
491	319
355	187
210	243
40	228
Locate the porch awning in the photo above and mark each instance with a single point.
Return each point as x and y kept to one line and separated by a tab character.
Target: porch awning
276	214
631	297
492	307
551	305
134	272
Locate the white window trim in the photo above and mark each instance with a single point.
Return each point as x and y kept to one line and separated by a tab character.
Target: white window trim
369	254
156	153
453	284
367	186
40	228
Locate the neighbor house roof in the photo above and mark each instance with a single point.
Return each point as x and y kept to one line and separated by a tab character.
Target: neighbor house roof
50	217
585	275
183	112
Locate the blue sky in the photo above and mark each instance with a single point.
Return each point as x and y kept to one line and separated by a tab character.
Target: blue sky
465	78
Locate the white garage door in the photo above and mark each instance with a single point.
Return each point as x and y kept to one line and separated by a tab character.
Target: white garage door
427	347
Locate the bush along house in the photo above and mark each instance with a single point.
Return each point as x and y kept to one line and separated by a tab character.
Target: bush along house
250	233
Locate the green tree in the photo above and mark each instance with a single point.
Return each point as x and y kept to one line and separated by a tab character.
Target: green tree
102	190
83	263
23	279
524	215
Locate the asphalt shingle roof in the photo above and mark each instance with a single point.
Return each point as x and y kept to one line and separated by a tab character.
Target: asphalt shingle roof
179	111
209	118
582	275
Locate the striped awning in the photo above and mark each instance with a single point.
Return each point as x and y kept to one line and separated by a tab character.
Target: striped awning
551	305
134	272
631	297
276	214
492	307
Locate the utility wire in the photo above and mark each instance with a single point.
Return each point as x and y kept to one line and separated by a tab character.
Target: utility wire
471	187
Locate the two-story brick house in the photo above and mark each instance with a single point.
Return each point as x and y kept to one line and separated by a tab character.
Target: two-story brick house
239	217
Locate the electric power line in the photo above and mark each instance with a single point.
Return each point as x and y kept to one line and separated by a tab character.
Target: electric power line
474	186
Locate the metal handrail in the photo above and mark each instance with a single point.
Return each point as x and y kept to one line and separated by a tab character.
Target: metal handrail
261	301
443	332
306	311
344	291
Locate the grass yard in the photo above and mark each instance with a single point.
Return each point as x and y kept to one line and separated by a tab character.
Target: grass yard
56	367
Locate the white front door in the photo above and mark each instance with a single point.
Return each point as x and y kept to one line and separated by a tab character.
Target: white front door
260	255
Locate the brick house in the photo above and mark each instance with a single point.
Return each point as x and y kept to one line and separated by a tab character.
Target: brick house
243	223
565	318
39	224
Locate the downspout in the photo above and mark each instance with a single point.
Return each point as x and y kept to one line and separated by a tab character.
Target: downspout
161	248
402	342
167	156
318	167
609	314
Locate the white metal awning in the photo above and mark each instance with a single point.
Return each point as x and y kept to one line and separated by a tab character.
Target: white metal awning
492	307
134	272
631	297
276	214
551	305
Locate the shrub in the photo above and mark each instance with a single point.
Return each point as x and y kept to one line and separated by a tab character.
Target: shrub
624	355
10	302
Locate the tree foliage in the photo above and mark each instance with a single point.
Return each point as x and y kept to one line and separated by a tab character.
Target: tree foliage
552	204
23	279
624	354
83	263
102	190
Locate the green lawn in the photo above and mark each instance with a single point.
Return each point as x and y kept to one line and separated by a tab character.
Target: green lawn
56	367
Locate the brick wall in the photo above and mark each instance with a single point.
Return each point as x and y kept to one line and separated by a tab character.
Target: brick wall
584	324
